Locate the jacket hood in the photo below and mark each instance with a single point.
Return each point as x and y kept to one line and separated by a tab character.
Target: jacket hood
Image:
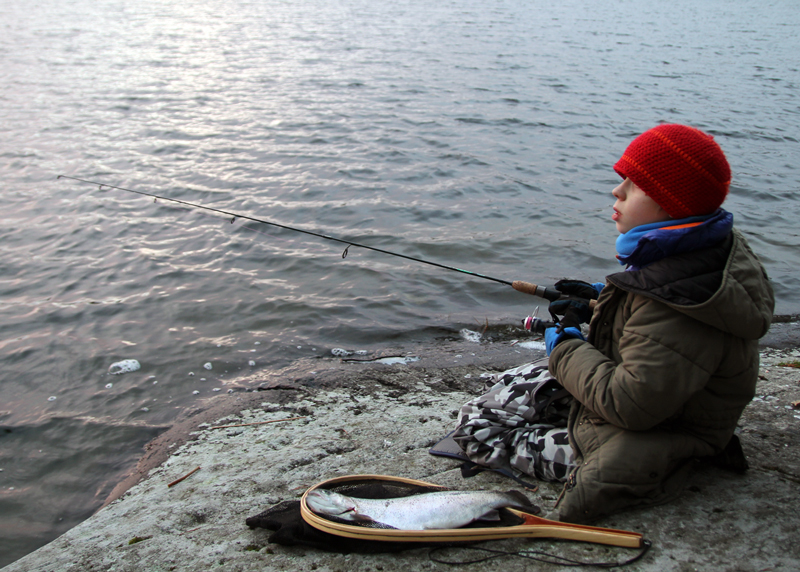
724	286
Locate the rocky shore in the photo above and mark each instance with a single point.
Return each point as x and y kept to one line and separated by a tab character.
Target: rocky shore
334	417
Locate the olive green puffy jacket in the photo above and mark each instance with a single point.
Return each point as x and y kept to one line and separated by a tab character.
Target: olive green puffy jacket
669	366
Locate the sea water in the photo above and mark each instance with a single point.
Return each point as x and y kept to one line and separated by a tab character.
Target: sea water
476	134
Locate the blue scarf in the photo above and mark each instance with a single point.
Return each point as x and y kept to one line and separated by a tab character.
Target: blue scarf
648	243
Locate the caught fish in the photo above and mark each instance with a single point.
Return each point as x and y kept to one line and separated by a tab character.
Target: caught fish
436	510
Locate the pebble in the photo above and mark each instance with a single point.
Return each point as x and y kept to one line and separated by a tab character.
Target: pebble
207	365
124	366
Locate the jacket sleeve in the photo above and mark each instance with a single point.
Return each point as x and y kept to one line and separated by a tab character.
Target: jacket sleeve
664	358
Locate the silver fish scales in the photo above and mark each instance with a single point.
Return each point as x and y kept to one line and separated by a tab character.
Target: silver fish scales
426	511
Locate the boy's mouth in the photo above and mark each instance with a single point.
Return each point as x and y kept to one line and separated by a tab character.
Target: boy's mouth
616	215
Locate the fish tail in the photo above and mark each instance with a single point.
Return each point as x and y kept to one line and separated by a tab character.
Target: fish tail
523	501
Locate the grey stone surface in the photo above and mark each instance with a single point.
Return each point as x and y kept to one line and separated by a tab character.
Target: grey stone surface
372	418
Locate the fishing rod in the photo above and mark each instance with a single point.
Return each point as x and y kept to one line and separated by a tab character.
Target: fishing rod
550	294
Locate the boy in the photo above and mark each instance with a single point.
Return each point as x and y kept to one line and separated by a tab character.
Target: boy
671	359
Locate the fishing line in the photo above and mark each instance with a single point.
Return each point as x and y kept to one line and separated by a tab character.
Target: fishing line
519	285
530	555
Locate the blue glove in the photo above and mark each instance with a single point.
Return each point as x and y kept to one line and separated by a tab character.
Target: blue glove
552	337
568	327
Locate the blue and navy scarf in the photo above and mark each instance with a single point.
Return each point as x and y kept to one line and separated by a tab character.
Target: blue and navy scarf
648	243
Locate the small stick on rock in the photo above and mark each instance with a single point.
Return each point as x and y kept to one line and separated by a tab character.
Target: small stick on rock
257	423
187	475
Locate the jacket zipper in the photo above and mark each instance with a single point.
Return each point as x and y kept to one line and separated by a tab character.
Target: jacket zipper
568	486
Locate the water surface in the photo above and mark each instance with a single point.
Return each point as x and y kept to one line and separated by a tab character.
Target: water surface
475	134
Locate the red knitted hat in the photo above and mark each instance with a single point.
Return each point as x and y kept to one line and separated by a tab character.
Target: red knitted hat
681	168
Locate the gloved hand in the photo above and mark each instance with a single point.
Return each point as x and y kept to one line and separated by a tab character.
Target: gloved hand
579	288
577	295
568	327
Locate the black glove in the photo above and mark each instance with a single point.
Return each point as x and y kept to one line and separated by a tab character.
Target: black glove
579	288
572	319
568	327
576	297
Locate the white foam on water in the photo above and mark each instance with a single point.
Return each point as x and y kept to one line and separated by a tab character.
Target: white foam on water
470	336
124	366
339	352
208	365
109	385
397	360
530	345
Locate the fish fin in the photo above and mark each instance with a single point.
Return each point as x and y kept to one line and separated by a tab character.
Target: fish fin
492	516
364	520
361	518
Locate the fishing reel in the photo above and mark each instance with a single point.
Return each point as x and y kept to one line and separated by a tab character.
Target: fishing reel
536	325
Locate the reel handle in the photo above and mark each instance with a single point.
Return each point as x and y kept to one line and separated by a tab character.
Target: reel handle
535	290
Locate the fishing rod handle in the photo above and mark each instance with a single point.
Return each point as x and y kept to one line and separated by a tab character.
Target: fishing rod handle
535	290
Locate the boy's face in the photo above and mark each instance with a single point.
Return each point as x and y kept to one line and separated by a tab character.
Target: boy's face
634	208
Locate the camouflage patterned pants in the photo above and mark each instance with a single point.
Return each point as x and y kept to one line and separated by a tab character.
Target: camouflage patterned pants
520	423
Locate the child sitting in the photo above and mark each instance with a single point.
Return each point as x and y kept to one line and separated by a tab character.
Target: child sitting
671	358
